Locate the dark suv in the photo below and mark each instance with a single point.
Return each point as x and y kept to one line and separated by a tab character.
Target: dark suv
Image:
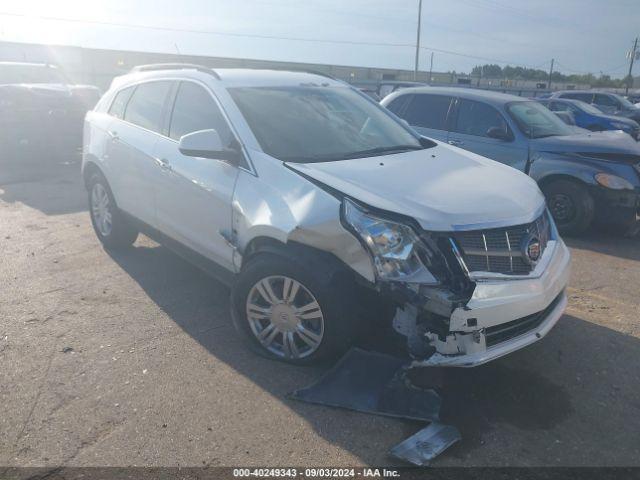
41	111
585	176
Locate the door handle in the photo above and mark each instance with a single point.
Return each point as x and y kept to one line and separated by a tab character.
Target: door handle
164	164
455	142
114	135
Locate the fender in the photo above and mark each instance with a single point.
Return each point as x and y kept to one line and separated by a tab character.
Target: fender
581	168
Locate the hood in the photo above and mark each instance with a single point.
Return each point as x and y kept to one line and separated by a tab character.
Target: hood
624	120
443	188
593	142
632	114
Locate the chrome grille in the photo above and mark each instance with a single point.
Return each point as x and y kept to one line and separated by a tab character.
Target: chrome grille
501	250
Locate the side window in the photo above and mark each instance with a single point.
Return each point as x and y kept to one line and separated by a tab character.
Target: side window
428	111
398	104
585	97
476	118
558	107
195	109
605	101
146	105
120	102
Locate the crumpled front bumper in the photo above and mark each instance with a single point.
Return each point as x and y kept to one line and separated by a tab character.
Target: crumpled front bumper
495	303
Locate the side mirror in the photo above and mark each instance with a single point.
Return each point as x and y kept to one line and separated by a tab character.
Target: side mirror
206	144
499	134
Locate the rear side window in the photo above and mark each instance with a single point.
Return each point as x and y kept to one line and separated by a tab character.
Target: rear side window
428	111
558	107
120	102
195	109
146	105
397	104
585	97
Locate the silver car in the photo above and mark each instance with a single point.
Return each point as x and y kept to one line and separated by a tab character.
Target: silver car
325	213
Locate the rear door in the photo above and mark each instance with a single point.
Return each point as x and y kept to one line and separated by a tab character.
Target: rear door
132	142
194	195
427	114
470	124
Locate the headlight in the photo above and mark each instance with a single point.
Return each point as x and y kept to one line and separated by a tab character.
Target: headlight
620	126
612	181
395	248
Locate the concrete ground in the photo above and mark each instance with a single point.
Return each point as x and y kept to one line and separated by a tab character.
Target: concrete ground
131	359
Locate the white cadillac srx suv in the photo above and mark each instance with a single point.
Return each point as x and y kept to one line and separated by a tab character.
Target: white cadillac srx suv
325	213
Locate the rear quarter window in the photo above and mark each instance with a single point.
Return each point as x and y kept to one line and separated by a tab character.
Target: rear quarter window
120	102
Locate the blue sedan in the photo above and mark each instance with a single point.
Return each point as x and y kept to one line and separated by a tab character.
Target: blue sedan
589	117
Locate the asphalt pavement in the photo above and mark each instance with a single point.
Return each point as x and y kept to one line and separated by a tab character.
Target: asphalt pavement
131	359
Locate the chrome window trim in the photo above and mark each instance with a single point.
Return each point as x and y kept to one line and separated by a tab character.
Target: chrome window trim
179	78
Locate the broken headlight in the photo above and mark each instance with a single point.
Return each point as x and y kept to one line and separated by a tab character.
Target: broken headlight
397	251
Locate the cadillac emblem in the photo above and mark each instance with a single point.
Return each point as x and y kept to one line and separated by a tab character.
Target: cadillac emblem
531	249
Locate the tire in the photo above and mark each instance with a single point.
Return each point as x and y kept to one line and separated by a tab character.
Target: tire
571	206
114	232
332	325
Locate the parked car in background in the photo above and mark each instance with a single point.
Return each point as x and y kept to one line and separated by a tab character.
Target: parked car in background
589	117
634	98
586	177
41	111
326	213
609	103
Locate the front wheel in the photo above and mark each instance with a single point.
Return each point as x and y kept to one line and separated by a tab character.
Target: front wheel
289	313
570	205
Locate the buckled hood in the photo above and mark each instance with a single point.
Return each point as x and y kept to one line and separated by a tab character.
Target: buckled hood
443	188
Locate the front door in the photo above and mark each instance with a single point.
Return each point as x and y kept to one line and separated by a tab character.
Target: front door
194	195
469	131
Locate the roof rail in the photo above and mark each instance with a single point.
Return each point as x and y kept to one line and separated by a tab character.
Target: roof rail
174	66
305	70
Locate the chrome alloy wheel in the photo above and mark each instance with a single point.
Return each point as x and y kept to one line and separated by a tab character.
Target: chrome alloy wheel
285	317
101	209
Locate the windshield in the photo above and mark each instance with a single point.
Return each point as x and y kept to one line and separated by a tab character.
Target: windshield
587	108
537	121
11	74
320	123
625	103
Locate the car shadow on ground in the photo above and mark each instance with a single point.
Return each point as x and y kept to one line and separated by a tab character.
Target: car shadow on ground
607	243
553	391
52	186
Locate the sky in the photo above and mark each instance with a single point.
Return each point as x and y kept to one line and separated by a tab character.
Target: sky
581	35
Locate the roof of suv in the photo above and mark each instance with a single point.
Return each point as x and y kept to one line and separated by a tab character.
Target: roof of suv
488	96
236	77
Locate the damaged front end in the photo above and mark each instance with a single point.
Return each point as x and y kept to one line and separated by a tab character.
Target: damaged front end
465	298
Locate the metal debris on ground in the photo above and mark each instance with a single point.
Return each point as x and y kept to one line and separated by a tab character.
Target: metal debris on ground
426	444
376	383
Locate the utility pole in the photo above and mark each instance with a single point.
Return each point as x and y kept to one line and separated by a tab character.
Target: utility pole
430	69
551	73
415	71
633	57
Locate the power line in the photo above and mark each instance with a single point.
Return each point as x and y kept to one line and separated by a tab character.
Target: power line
269	37
207	32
